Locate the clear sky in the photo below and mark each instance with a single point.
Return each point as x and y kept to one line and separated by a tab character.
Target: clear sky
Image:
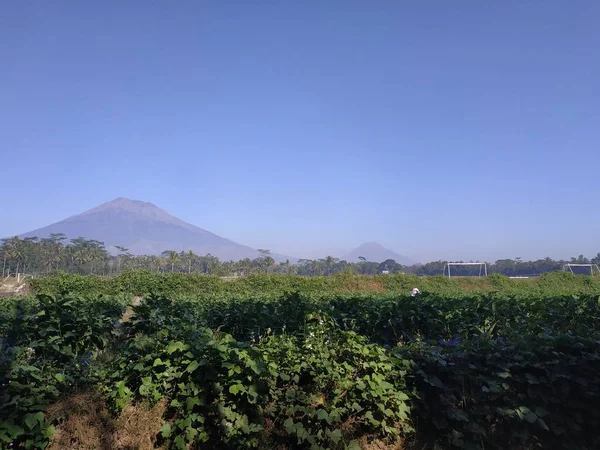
442	129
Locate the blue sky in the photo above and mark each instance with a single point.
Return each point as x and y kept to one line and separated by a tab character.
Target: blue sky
462	129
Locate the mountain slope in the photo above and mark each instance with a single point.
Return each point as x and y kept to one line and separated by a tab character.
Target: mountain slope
145	229
372	251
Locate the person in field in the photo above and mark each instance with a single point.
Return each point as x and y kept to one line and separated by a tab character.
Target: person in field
414	292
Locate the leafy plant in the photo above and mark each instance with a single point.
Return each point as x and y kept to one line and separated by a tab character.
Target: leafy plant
47	350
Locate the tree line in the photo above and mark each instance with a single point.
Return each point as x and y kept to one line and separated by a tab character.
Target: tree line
37	256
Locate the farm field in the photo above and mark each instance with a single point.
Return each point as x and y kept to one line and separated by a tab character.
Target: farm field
145	361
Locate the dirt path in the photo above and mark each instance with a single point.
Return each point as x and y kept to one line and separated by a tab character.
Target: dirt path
10	287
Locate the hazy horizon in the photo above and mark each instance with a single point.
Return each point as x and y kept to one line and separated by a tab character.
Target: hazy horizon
341	252
440	130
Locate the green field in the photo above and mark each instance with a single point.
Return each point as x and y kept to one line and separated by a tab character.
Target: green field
142	360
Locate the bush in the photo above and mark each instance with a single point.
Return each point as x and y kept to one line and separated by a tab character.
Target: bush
44	351
532	393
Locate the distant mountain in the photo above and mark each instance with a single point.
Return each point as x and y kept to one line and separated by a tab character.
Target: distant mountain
372	251
145	229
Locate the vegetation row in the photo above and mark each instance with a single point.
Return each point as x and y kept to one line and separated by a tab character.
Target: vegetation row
82	256
311	368
141	282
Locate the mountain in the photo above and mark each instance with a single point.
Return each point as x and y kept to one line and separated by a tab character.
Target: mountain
372	251
145	229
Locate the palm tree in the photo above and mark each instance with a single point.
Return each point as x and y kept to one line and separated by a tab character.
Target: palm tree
122	256
269	263
329	262
96	254
16	251
244	266
212	264
3	249
316	267
172	258
57	240
190	259
157	263
80	257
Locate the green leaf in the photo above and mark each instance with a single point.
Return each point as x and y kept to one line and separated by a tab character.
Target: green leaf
322	415
335	436
353	445
60	377
49	431
289	425
235	388
192	366
176	346
158	362
371	419
180	443
542	424
14	431
166	430
32	419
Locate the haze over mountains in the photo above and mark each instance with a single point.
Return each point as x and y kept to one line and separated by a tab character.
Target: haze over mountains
372	251
145	229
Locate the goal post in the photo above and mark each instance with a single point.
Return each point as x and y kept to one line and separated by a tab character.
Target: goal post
482	267
582	269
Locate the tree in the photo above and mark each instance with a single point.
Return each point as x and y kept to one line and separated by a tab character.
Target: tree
5	252
266	261
389	265
172	258
329	264
244	266
97	254
431	268
517	262
580	260
16	252
87	256
213	264
55	250
191	257
317	267
123	257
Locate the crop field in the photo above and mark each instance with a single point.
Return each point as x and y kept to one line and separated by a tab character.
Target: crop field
141	361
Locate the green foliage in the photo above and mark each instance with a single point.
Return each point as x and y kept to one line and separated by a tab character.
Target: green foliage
289	362
46	349
304	387
142	282
332	387
88	257
540	392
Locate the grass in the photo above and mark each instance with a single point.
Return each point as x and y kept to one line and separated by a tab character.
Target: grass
84	423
